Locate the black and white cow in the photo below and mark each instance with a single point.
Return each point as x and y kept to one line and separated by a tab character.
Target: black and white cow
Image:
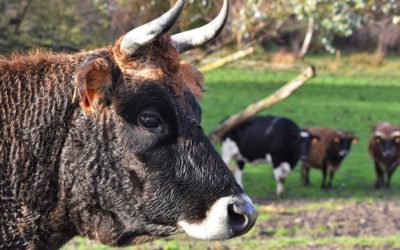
270	139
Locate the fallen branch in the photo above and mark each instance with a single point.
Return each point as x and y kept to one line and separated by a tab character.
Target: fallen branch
254	108
246	64
228	59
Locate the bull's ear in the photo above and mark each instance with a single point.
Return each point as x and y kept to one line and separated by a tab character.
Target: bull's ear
93	79
355	140
193	78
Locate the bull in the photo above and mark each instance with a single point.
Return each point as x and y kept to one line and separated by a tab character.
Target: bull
107	144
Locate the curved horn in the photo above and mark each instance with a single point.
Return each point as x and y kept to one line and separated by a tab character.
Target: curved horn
148	32
192	38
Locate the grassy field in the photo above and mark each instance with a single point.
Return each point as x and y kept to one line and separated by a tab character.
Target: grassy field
353	102
351	99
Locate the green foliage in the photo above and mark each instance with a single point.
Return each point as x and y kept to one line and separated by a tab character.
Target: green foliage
72	25
331	18
60	25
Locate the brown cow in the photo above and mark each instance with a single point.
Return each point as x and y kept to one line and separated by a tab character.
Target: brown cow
384	149
107	144
328	153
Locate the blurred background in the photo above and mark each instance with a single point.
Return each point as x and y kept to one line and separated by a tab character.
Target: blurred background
355	46
296	26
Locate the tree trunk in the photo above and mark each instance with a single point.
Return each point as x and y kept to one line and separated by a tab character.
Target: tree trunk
308	38
22	16
254	108
380	51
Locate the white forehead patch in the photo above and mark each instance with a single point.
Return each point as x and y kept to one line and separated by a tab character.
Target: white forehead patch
395	134
304	134
379	134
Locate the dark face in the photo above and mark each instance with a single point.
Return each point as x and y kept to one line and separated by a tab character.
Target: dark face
306	140
164	176
387	146
342	144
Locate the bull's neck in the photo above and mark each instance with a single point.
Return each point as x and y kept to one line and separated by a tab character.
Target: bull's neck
37	104
38	100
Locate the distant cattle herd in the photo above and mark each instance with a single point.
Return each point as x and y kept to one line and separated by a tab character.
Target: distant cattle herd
280	141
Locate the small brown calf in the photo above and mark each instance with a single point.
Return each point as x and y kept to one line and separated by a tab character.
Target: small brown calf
328	153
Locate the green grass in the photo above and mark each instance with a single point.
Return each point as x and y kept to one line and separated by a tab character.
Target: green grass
351	99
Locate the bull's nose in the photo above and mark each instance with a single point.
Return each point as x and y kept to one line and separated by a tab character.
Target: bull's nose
242	216
228	217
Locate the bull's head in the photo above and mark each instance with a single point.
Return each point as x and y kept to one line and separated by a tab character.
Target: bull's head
343	141
150	170
387	143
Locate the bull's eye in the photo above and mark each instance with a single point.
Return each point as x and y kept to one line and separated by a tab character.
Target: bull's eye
150	120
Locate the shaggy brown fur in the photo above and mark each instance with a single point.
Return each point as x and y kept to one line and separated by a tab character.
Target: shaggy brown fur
31	140
193	79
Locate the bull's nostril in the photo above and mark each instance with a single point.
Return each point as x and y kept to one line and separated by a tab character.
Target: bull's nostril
236	219
242	217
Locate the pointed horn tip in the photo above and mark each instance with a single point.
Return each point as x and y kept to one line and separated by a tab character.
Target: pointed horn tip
150	31
190	39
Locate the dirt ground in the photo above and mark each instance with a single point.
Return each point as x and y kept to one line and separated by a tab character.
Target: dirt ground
357	218
330	219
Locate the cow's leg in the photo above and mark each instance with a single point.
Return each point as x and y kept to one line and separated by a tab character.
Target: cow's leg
324	172
239	173
229	150
281	171
389	177
331	175
379	176
305	174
